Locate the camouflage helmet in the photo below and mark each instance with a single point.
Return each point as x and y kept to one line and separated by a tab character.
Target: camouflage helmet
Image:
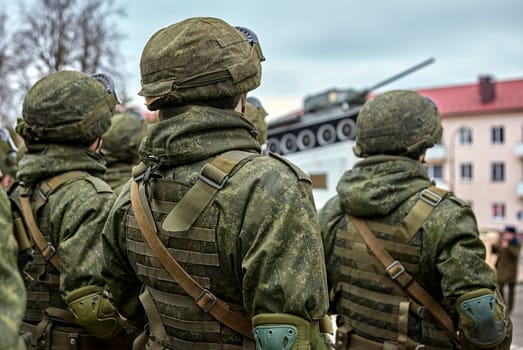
121	141
255	114
67	107
8	153
398	122
198	59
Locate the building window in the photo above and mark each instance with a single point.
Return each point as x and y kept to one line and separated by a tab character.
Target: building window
498	172
435	171
498	211
466	171
497	135
465	136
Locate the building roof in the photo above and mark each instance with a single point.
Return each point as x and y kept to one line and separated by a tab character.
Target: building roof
466	99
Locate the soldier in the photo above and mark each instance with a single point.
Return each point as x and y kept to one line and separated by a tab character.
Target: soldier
255	114
405	265
225	240
12	291
8	157
507	250
120	148
64	204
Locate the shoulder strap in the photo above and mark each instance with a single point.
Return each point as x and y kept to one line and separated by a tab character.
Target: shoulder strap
45	188
397	272
206	187
211	179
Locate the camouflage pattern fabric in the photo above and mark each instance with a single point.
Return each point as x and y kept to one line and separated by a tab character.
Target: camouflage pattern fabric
384	188
74	214
267	234
117	175
257	118
12	291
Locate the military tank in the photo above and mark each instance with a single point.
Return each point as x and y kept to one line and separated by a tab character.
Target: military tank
327	118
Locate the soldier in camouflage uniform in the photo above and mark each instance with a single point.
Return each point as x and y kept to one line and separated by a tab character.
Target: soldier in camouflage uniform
64	204
12	291
120	148
255	114
242	226
428	233
8	157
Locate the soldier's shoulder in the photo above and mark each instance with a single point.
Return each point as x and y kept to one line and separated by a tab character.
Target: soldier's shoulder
99	185
296	170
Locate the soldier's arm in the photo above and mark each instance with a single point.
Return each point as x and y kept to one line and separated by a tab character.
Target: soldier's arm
12	290
284	279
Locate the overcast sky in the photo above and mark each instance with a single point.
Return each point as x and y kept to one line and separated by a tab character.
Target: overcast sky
312	46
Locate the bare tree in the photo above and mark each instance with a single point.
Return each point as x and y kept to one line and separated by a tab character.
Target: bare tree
53	35
6	69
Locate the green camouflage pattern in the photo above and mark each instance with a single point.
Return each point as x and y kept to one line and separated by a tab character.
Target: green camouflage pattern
121	141
74	214
65	98
8	153
267	234
398	122
197	59
256	116
12	291
384	188
117	175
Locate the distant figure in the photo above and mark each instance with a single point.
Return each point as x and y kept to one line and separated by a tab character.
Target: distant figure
8	159
508	250
255	114
120	147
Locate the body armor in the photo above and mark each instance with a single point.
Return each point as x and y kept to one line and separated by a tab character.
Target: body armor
184	325
370	303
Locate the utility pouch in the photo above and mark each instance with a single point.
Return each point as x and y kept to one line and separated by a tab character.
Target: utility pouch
343	337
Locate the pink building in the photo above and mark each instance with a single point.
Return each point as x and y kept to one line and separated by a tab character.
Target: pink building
481	154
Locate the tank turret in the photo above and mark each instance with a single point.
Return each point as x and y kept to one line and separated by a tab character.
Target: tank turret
326	118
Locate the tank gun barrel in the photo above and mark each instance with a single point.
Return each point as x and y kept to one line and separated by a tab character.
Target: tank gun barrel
401	74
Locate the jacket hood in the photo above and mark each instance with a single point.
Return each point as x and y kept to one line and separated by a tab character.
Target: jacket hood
379	184
192	133
43	161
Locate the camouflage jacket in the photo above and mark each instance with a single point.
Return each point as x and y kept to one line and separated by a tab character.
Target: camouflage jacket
383	188
267	232
74	214
12	291
117	175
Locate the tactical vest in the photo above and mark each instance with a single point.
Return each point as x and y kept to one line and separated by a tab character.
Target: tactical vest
184	323
375	309
47	318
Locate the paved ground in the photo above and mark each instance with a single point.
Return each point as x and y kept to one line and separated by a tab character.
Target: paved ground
517	319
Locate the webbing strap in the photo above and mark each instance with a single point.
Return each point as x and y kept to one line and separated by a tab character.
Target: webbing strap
403	324
429	198
398	273
203	297
211	179
158	333
46	187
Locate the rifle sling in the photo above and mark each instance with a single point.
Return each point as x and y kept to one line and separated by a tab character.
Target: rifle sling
203	297
398	273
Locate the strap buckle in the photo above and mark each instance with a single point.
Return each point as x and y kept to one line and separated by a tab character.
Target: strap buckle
394	264
211	182
48	251
430	197
213	302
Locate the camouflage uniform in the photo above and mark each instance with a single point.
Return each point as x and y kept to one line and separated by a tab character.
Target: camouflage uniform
12	291
120	148
62	298
445	255
255	114
256	245
8	157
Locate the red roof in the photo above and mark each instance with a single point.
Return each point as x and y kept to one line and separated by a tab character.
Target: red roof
466	99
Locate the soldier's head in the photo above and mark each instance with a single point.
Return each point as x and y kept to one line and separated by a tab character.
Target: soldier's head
255	114
68	107
200	60
398	122
121	141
